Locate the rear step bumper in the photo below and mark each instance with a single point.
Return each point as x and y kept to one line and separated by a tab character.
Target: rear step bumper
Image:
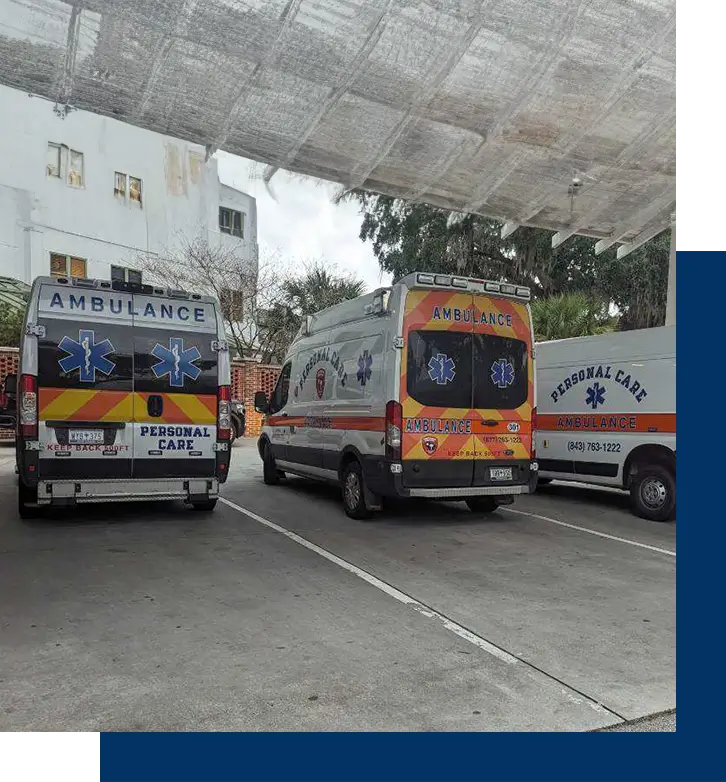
469	491
65	492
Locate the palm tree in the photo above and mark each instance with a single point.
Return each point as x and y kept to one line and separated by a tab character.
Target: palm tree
318	288
315	289
571	315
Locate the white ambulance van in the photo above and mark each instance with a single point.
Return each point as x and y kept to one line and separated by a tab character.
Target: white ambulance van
123	394
607	415
424	389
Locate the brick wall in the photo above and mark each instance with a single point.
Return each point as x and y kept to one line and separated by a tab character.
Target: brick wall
8	365
247	378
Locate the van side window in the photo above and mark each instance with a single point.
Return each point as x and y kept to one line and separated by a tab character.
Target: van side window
279	395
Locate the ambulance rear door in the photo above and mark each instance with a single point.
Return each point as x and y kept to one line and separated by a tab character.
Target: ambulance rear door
175	384
503	378
85	382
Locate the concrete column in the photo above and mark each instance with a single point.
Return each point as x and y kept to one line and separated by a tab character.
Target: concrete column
670	319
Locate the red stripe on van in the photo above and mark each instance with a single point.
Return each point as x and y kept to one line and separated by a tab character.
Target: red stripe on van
663	423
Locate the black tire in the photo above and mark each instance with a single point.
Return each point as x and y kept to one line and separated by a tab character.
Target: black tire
205	505
270	474
353	490
482	504
27	501
653	492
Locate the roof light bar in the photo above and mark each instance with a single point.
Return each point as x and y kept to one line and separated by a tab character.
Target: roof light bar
493	287
425	279
510	290
524	293
442	279
459	282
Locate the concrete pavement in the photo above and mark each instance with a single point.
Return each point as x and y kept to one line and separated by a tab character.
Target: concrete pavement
152	617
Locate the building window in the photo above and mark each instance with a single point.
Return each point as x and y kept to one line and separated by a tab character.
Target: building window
122	274
233	303
119	185
53	160
67	266
75	168
231	222
135	189
124	184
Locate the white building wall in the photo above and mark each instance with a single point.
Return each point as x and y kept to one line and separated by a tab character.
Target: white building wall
39	214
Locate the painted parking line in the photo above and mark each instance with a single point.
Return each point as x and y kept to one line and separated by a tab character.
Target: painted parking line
591	531
462	632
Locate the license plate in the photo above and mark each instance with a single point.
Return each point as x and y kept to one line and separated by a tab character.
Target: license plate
84	436
500	473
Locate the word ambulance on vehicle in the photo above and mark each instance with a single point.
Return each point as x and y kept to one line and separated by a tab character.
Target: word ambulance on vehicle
607	414
423	389
123	394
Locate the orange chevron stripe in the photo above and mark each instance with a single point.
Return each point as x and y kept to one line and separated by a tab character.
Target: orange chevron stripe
101	403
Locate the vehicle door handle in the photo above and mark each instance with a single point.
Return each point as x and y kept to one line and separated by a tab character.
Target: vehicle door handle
284	415
155	405
490	422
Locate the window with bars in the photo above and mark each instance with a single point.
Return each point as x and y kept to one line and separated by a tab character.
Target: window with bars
122	274
67	266
231	221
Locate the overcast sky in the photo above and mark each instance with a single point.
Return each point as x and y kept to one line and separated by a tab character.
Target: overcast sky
301	220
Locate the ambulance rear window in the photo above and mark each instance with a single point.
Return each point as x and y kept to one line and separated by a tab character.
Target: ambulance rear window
501	372
439	368
464	370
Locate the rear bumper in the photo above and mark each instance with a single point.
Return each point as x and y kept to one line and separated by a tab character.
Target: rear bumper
386	479
68	492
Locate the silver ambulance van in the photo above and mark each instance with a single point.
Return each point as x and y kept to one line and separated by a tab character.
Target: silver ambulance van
123	394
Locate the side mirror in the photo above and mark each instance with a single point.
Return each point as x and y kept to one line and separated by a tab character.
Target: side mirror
11	384
261	403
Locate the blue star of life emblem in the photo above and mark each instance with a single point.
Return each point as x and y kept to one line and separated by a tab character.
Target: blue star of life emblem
365	362
502	373
86	355
595	396
442	369
176	362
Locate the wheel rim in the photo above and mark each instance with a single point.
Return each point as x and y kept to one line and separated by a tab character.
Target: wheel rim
352	490
653	493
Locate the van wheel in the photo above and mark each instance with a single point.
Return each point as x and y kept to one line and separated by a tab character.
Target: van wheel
653	493
354	493
205	505
270	474
482	504
27	501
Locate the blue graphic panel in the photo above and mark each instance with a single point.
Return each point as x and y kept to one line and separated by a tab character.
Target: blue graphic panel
502	373
176	362
595	395
86	355
365	364
442	369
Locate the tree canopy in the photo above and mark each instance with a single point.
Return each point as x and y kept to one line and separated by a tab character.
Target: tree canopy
408	236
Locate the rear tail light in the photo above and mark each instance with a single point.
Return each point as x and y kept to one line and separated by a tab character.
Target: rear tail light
394	427
224	418
28	407
534	432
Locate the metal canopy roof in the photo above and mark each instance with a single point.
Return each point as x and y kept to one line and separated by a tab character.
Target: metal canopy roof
552	113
